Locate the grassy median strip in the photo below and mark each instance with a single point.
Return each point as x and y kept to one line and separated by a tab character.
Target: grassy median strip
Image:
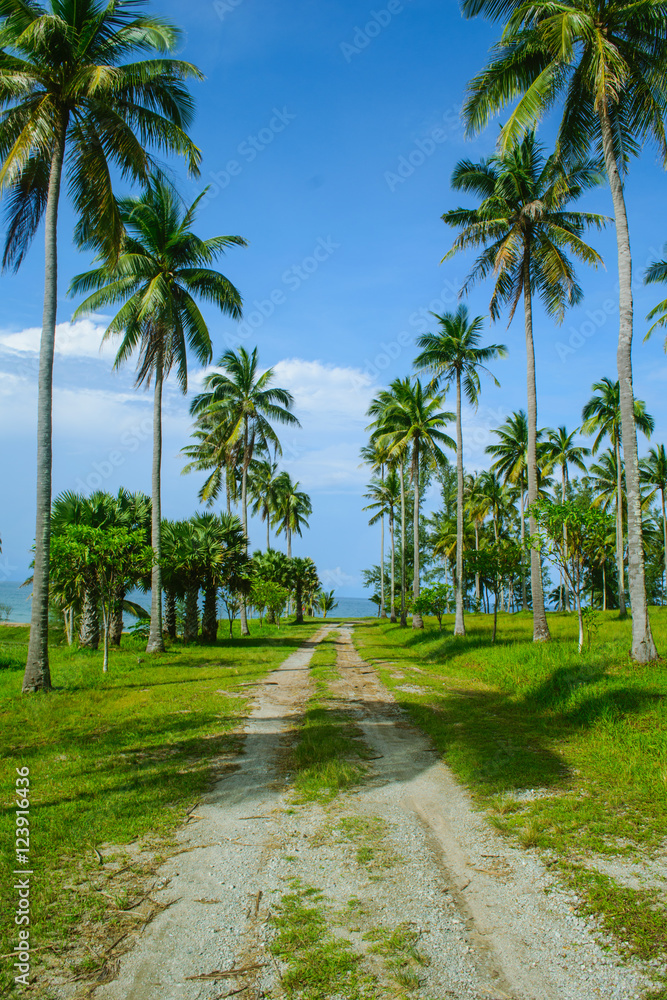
567	752
328	751
114	759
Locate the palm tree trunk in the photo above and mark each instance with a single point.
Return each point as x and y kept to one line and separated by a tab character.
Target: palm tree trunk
392	610
268	536
477	550
383	610
89	629
664	542
604	587
643	647
540	627
522	507
620	562
566	595
417	621
244	507
116	630
288	532
459	623
170	613
209	620
191	625
37	676
155	642
404	619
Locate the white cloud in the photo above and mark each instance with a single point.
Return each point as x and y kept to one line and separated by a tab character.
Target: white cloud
322	392
82	339
337	577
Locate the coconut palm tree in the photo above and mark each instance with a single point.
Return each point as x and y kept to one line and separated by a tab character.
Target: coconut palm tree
526	231
455	355
264	490
293	508
215	452
559	449
606	60
385	495
511	455
657	272
602	416
654	474
246	403
78	101
377	459
162	270
378	409
325	601
414	422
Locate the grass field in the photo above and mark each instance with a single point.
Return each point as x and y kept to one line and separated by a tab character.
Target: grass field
587	734
114	758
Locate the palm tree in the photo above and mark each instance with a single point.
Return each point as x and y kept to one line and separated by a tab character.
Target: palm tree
526	231
413	423
293	508
303	578
607	60
385	495
72	107
377	459
263	487
162	269
559	449
325	601
602	414
657	272
214	452
454	355
245	402
654	474
511	459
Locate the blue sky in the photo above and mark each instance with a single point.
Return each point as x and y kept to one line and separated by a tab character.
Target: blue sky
329	131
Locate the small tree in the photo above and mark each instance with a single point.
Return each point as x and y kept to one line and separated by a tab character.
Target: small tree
495	562
111	555
569	535
434	600
325	602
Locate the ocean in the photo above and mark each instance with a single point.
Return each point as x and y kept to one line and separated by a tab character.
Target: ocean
15	605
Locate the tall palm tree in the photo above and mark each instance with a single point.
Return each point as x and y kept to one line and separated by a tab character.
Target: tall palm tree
654	474
414	422
385	497
378	408
603	414
78	101
293	508
377	459
607	61
454	355
263	484
511	460
559	449
526	231
244	400
216	452
163	268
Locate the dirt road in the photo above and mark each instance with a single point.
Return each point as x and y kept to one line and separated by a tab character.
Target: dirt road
399	881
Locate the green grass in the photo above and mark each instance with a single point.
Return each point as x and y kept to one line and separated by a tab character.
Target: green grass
114	758
589	731
325	758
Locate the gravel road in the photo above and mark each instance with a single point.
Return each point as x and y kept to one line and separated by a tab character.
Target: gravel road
404	849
